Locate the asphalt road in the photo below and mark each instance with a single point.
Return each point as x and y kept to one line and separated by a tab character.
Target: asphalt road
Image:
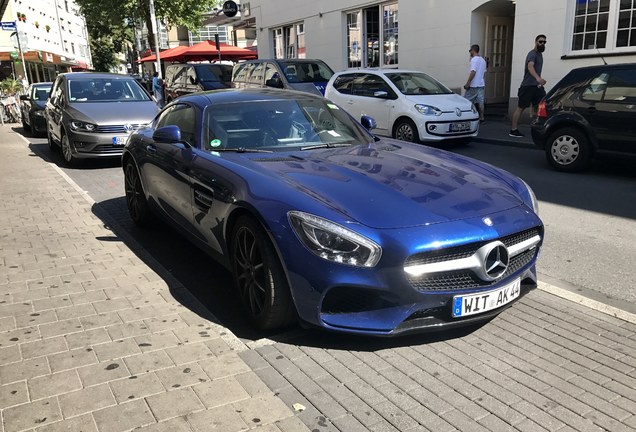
590	219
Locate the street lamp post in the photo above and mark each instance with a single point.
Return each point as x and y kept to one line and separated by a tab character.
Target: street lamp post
17	36
153	23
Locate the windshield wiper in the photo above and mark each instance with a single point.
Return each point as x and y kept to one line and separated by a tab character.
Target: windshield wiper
242	150
325	145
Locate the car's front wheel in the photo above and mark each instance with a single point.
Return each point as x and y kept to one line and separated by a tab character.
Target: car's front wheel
67	152
135	196
568	150
406	130
259	276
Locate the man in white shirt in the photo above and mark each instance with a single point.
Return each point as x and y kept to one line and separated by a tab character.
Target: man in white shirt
475	84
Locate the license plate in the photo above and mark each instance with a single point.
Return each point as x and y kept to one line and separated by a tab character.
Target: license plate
120	140
459	127
485	301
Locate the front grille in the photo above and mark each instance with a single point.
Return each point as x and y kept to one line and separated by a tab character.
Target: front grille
105	149
465	279
116	129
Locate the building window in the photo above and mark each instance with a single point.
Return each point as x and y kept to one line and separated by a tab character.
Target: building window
289	41
208	32
604	24
372	36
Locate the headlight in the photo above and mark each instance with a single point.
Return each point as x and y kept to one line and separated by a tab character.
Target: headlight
82	126
533	198
428	110
334	242
38	113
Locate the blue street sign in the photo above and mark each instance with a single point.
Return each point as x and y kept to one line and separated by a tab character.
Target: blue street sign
8	26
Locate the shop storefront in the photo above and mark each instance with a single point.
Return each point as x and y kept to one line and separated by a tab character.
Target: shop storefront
41	66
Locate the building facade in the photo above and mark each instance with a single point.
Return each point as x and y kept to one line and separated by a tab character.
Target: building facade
53	39
434	35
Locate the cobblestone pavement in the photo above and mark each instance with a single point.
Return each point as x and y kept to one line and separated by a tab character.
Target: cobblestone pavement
96	336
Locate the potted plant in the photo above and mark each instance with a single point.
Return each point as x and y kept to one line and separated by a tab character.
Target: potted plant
21	17
36	24
47	28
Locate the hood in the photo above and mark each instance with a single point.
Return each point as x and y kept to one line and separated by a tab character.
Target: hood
387	185
38	105
113	113
445	102
312	87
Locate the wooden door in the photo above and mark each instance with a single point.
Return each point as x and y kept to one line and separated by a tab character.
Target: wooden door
498	54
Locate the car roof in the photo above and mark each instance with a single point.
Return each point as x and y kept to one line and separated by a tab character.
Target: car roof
94	75
378	71
246	95
42	84
606	66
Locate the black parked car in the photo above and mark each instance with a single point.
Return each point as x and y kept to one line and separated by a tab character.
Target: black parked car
591	111
32	106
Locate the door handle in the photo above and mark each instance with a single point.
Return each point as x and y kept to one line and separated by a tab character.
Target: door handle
151	148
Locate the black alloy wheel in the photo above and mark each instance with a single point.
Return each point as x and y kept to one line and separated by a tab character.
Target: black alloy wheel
406	130
259	277
135	197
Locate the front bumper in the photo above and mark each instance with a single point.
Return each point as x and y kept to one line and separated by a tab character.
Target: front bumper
86	145
383	301
38	123
443	128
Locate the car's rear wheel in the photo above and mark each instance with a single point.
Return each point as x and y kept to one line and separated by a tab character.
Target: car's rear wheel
406	130
67	152
135	196
259	276
568	150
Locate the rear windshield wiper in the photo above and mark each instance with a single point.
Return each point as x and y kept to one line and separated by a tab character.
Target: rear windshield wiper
242	150
325	145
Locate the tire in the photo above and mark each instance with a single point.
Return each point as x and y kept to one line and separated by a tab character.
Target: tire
52	146
67	152
406	130
568	150
25	126
259	277
135	196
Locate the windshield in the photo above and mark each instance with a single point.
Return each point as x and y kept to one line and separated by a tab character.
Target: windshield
215	73
279	125
417	83
305	72
40	93
106	90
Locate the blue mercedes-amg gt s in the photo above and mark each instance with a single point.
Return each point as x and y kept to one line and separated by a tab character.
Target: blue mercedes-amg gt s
319	220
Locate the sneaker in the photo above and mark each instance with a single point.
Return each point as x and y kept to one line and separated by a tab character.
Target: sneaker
515	133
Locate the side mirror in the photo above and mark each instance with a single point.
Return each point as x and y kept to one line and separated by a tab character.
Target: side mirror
24	97
167	135
381	94
368	123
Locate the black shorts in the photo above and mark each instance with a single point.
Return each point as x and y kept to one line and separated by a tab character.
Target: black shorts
530	95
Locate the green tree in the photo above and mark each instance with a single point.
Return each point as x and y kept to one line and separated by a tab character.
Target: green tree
116	13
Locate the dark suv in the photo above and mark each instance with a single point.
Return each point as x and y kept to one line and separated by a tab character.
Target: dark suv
186	78
591	111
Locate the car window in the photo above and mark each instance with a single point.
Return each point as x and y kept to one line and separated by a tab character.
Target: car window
306	71
169	79
181	115
179	75
417	83
40	93
595	90
621	87
57	91
214	73
344	82
243	72
192	76
106	90
279	125
257	74
368	84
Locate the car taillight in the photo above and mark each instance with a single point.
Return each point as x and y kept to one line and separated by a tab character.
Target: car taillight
542	112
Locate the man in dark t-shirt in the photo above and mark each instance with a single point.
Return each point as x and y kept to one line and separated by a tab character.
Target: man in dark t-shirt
531	90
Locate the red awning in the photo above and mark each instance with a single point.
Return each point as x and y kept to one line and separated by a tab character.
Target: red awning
206	50
171	54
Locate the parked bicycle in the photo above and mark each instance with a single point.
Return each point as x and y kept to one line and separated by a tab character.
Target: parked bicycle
10	110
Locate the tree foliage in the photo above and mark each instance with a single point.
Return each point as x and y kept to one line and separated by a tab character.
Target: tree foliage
116	13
